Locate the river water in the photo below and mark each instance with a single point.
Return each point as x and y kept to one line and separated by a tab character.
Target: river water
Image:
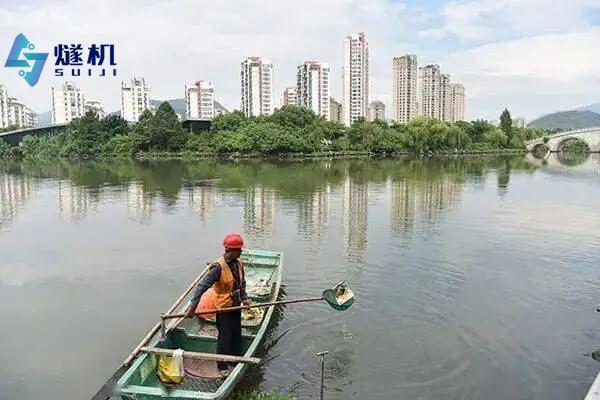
475	278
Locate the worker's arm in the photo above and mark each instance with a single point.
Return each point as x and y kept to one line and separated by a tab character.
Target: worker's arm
243	294
212	276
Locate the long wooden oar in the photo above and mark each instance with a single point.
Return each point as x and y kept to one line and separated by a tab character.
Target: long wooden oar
237	308
340	297
202	356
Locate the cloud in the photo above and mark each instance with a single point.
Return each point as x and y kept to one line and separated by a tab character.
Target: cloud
555	69
173	42
485	20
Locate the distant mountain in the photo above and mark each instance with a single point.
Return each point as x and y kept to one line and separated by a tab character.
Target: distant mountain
566	120
591	107
177	104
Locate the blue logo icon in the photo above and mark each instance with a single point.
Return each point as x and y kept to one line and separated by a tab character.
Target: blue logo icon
35	61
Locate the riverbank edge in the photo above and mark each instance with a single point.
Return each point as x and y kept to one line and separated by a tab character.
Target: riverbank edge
327	155
318	155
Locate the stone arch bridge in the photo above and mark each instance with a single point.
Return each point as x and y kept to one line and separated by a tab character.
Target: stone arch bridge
555	143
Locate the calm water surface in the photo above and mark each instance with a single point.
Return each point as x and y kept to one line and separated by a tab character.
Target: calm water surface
476	278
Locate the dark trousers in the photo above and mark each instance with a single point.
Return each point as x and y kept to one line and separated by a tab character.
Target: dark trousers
229	340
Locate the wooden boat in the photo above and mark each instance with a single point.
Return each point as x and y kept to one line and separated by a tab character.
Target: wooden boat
139	380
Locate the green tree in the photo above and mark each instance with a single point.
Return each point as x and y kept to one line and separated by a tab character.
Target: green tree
141	133
84	137
166	132
229	121
294	117
506	123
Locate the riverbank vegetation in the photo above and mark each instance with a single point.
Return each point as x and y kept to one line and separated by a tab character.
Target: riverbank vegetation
290	130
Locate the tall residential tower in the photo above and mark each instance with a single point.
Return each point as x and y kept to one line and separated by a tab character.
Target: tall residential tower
257	87
313	87
200	100
68	103
404	90
355	101
135	99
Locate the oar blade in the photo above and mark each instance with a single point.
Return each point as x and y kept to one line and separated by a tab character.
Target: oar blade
340	297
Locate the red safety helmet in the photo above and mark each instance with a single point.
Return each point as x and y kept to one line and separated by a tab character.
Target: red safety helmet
233	241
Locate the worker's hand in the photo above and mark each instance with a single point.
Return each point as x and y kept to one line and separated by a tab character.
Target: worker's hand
246	304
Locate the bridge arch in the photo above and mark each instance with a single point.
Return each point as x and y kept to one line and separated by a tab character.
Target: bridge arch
563	143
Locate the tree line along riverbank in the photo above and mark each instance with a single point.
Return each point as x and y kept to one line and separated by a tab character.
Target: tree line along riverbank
289	130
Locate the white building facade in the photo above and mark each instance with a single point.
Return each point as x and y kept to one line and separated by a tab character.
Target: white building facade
313	87
404	89
438	97
456	99
19	115
256	87
200	101
289	96
135	99
67	103
355	101
3	107
430	92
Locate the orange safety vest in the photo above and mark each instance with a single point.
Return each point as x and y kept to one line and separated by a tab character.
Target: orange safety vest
224	286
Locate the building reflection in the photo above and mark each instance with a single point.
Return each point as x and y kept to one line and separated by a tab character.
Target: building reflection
354	216
15	191
313	213
259	211
140	205
74	202
202	200
426	200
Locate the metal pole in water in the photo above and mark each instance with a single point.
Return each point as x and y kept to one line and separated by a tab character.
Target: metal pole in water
322	355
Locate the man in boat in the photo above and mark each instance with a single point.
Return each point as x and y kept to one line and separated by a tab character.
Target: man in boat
226	279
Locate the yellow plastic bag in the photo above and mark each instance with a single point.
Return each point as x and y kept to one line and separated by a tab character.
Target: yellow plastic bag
170	369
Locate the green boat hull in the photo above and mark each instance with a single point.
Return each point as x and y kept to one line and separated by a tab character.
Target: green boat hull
140	381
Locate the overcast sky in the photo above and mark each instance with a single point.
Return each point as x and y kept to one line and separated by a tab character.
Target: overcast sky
534	56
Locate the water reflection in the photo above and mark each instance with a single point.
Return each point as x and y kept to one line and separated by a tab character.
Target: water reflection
568	163
458	296
75	202
354	216
418	188
426	199
15	191
202	199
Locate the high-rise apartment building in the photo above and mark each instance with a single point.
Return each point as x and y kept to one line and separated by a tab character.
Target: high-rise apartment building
135	99
289	97
257	87
67	103
313	87
404	90
335	111
456	99
19	115
355	101
200	100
